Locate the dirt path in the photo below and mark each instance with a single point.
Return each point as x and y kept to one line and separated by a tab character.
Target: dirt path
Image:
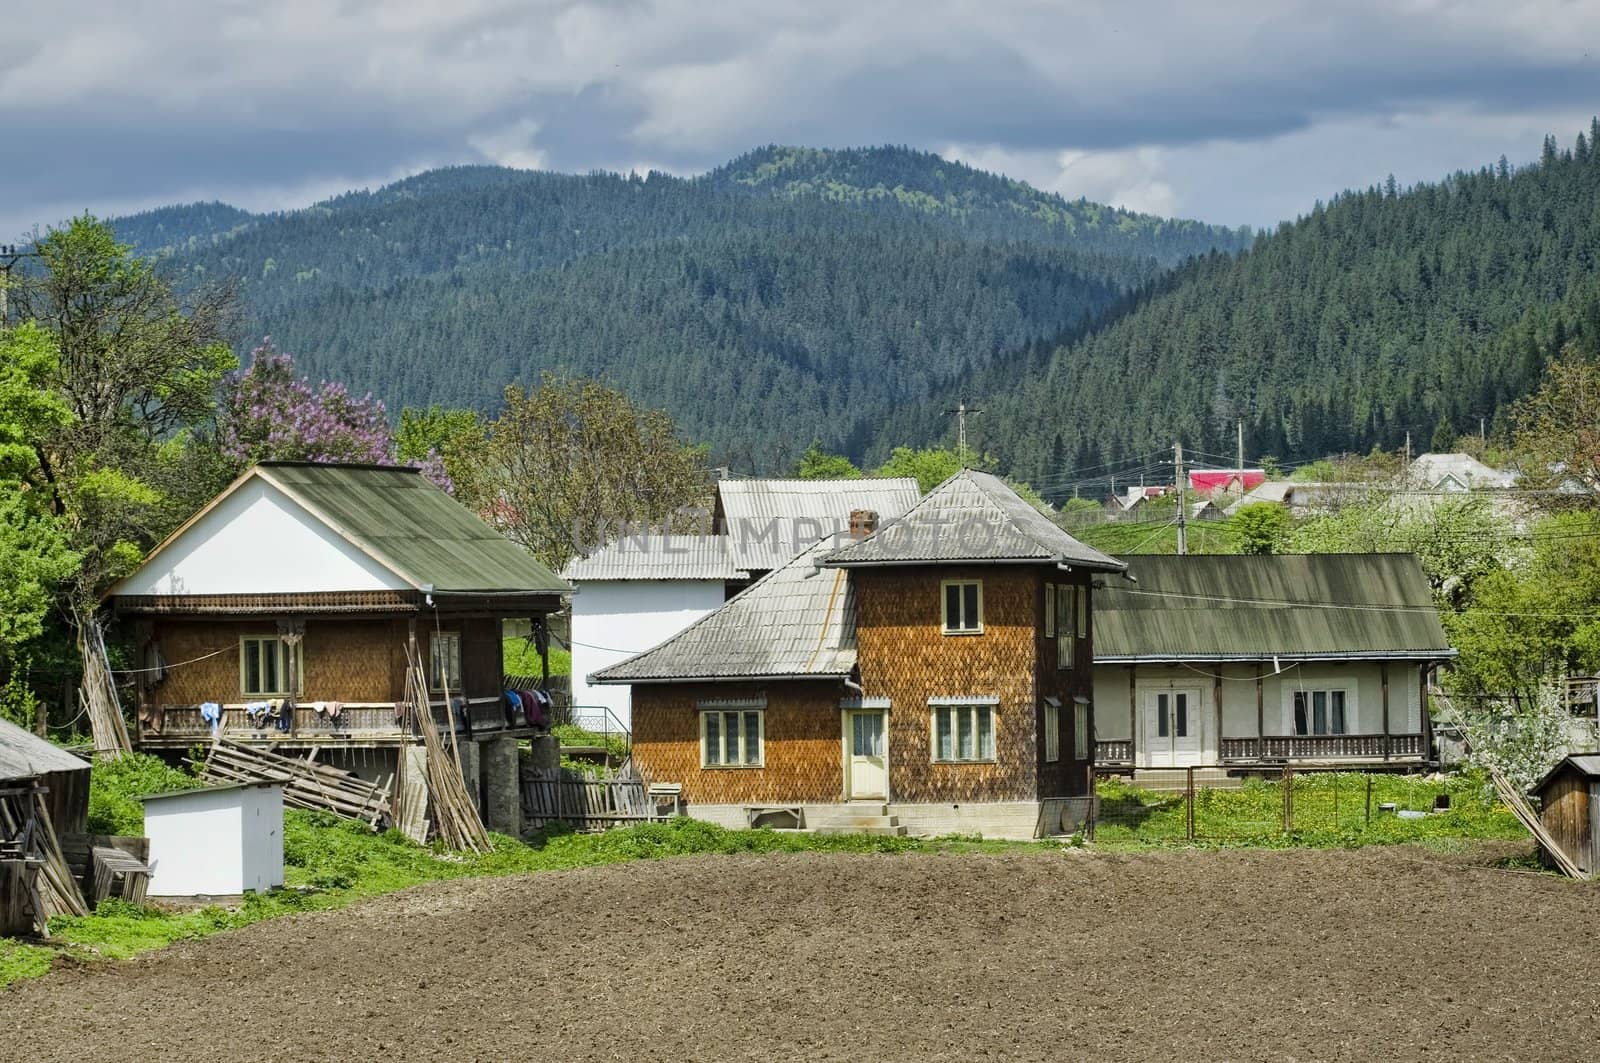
1380	953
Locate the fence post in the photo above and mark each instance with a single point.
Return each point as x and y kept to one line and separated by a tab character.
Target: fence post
1189	795
1369	800
1288	799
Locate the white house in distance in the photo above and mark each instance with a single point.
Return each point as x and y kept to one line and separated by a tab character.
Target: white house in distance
640	590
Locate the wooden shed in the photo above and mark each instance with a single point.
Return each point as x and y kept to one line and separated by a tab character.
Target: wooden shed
25	757
1569	808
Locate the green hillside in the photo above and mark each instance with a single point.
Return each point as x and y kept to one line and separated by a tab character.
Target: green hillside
758	316
1382	312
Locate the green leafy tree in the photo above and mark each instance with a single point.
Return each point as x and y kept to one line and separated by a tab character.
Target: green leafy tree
1262	527
1558	432
35	562
136	366
818	464
574	463
930	467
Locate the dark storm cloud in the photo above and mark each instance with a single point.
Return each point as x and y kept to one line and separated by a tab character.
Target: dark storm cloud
110	106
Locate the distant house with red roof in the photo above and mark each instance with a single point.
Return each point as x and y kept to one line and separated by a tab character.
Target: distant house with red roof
1215	482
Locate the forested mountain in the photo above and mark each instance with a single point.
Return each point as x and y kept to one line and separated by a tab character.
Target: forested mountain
971	201
1382	312
758	314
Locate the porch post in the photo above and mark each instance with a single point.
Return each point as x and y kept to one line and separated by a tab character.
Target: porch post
1427	711
1383	672
1261	719
1216	695
1133	715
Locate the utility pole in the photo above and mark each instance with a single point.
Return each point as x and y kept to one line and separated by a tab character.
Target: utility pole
1408	450
1241	455
1183	531
961	411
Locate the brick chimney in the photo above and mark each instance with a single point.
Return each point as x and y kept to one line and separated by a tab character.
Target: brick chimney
863	522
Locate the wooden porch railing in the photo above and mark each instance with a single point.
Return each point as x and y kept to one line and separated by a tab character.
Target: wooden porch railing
1323	747
1113	751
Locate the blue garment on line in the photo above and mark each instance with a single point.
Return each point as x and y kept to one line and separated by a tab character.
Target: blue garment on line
211	712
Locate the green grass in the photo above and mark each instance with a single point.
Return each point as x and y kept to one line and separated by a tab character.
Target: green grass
1329	810
328	863
522	659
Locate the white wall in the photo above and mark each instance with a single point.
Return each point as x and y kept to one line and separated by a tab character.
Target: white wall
215	842
615	619
259	541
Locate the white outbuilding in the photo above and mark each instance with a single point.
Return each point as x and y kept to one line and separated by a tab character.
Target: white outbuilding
219	841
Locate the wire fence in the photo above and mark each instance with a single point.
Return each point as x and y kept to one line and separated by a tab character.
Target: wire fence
1284	805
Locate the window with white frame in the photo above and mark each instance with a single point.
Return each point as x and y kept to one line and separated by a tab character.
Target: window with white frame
1052	730
732	738
268	667
1320	712
444	661
1080	730
963	733
963	607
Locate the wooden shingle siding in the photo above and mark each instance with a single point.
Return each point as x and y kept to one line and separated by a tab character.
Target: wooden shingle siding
804	747
905	657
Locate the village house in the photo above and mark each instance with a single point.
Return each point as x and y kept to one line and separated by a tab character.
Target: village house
1235	661
283	614
929	675
640	589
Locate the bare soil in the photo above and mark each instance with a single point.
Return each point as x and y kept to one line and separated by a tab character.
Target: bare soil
1381	953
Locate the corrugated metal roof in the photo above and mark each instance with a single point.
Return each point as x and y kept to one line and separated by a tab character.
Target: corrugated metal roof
411	526
1232	607
24	755
972	516
657	557
769	521
798	620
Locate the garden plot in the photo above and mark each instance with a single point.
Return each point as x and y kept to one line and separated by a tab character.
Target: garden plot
1385	952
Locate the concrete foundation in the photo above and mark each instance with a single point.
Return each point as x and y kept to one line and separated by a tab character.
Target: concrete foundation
1017	820
468	756
546	753
502	785
413	793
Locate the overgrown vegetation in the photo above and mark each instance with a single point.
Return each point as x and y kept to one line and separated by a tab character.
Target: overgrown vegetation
114	788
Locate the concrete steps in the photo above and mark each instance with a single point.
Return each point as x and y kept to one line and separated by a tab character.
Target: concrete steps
855	819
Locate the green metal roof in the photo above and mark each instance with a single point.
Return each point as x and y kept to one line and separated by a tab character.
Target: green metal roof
409	525
1230	607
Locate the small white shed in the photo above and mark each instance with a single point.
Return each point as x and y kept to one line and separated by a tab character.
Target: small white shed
216	841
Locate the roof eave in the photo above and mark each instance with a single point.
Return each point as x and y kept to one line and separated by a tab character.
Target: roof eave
598	680
1222	658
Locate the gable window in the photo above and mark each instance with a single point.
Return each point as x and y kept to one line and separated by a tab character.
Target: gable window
963	607
1319	712
732	738
267	667
963	733
444	661
1052	730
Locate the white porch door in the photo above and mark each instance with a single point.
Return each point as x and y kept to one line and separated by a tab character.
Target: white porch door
1172	731
867	761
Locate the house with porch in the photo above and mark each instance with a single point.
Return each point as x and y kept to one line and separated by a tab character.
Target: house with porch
1240	661
928	674
285	611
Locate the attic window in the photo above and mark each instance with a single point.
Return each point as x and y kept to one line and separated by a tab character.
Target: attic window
963	607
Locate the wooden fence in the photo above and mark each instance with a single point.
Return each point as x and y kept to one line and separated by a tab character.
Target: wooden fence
557	796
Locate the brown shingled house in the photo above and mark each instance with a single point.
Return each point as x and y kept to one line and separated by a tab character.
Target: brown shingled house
930	676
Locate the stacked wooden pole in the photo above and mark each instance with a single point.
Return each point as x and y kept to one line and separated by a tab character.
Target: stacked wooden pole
455	813
24	818
306	784
99	693
1523	811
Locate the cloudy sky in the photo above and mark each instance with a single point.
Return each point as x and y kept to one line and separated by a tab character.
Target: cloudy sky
1237	111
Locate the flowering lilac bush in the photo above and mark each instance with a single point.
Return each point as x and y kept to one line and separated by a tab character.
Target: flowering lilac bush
268	413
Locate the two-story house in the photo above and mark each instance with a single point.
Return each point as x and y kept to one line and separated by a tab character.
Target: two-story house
930	676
